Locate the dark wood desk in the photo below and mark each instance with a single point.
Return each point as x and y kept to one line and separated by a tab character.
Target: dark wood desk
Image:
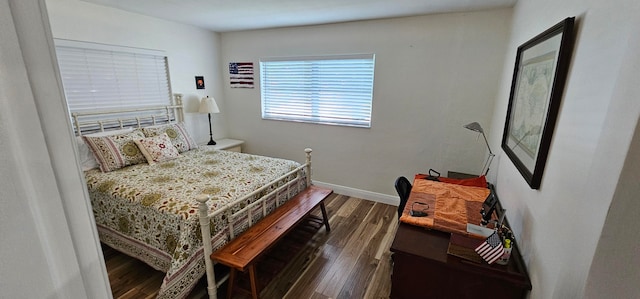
423	269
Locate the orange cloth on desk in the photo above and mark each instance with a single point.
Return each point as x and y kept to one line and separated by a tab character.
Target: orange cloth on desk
451	206
426	221
480	181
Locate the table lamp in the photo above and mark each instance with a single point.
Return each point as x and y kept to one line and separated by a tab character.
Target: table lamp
475	126
208	105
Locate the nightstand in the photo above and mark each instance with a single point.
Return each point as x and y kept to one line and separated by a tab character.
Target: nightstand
233	145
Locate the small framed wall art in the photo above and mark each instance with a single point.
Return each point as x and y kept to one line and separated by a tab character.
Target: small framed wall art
199	82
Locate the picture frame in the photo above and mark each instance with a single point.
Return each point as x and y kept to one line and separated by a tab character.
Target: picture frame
199	82
537	86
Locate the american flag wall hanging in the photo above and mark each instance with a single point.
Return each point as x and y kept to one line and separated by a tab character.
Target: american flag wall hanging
241	74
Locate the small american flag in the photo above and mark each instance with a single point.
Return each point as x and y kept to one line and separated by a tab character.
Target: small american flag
241	74
491	249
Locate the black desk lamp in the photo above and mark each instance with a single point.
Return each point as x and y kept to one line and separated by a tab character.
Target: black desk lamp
208	105
475	126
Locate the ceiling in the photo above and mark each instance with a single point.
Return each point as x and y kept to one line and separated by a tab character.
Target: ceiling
235	15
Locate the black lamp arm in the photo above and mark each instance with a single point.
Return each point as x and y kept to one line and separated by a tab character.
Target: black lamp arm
490	158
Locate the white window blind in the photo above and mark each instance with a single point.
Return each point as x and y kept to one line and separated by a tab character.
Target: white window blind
335	90
107	77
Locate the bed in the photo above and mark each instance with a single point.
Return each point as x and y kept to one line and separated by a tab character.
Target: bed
148	208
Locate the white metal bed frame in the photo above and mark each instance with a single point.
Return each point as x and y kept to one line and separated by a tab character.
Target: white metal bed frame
175	113
130	117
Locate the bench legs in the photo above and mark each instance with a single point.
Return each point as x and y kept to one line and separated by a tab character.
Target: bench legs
230	286
252	267
324	216
254	283
252	278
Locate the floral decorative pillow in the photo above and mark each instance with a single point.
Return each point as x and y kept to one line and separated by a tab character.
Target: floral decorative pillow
179	136
116	151
157	149
86	155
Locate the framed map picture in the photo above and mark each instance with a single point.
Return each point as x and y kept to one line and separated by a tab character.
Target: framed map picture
536	90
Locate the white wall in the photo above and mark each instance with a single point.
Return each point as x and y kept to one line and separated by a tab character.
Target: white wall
191	51
614	272
559	226
49	245
433	75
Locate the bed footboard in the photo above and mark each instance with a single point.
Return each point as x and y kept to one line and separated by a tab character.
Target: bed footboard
205	217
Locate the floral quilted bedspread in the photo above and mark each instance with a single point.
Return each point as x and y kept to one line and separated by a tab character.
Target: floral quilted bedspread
150	211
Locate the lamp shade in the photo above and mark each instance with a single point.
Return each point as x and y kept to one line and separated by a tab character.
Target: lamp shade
474	126
208	105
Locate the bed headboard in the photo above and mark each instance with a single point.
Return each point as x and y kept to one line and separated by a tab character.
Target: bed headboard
106	120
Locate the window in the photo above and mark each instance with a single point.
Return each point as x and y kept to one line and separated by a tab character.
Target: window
106	77
336	90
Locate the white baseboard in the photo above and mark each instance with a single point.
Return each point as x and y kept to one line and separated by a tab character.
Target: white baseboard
363	194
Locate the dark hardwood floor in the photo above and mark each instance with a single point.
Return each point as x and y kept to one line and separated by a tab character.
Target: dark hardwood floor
351	261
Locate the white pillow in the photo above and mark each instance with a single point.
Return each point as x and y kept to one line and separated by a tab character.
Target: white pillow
86	156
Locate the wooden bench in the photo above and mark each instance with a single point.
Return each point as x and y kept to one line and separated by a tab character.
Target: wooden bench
242	252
